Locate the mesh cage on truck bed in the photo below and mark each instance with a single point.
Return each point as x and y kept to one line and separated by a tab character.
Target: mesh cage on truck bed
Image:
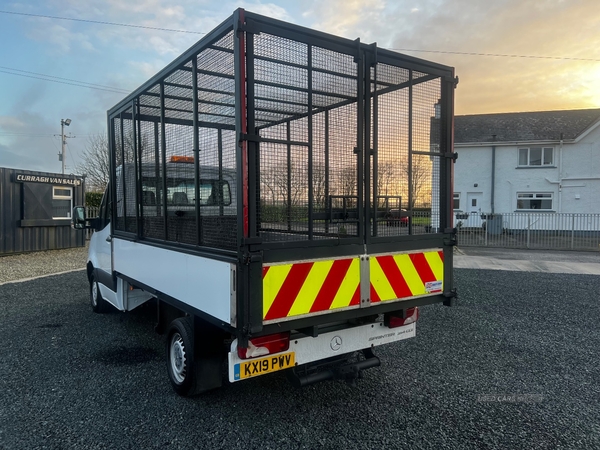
321	166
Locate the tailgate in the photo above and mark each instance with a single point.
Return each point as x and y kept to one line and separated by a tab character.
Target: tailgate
298	289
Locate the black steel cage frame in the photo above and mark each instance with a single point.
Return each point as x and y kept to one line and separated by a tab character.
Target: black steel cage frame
245	110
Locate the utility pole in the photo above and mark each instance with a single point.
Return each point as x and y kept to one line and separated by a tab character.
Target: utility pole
63	138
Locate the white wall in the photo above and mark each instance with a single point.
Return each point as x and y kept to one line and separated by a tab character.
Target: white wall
579	175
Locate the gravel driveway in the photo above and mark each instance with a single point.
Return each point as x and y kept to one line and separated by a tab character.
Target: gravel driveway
514	365
36	264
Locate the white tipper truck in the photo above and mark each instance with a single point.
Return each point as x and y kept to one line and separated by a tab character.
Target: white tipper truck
251	184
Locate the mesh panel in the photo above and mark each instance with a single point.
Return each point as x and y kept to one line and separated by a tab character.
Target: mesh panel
405	184
308	175
151	173
184	198
390	136
307	182
125	149
425	169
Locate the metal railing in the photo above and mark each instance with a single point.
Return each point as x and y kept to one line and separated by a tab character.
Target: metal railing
525	230
530	230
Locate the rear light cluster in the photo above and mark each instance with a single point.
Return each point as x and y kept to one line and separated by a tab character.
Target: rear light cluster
411	315
265	345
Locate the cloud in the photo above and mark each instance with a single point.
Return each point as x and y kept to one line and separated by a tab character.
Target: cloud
499	84
267	9
348	17
9	123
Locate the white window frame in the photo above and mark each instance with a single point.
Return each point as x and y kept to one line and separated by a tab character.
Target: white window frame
544	151
456	197
541	196
69	197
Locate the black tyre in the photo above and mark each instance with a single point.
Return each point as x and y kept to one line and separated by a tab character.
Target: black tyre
180	357
99	305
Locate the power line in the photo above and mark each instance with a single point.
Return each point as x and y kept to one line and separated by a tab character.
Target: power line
68	81
65	79
500	55
36	135
101	22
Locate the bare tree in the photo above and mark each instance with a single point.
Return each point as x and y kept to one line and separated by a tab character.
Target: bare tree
96	158
346	181
95	163
319	178
420	180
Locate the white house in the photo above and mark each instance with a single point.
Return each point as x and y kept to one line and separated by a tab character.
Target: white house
546	161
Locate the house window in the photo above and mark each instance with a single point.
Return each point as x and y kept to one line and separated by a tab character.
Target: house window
62	202
456	203
536	156
534	201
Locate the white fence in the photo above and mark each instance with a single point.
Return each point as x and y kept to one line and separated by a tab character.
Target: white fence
567	231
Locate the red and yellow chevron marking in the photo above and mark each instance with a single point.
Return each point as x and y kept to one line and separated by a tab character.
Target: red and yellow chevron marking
406	275
301	288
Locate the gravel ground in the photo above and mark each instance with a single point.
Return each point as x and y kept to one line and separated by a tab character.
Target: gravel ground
73	379
29	265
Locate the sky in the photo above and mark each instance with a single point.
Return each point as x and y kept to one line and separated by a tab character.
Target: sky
53	69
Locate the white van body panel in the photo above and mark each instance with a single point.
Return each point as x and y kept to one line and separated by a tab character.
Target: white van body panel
203	283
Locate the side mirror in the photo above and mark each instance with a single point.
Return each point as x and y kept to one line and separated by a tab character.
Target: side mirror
78	218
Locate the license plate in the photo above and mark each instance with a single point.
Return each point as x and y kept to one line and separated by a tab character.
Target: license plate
256	367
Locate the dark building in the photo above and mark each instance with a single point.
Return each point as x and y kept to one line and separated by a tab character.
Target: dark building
35	210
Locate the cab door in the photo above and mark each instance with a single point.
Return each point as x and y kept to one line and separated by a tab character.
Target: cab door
100	249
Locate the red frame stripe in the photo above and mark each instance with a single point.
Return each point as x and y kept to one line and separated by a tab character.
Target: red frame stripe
441	253
244	123
331	285
265	270
422	266
356	296
394	276
374	296
289	291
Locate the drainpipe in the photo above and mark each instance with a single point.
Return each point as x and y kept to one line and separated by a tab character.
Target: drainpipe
493	171
560	174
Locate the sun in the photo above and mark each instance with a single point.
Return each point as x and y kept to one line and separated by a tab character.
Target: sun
590	86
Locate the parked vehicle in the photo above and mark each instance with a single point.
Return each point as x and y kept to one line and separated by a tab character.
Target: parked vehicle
243	200
397	218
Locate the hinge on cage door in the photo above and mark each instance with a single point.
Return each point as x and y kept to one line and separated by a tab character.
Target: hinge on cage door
249	137
452	156
450	297
248	258
358	56
249	27
451	241
371	151
374	49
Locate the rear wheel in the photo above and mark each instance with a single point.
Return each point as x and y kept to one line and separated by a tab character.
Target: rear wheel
191	371
99	305
180	357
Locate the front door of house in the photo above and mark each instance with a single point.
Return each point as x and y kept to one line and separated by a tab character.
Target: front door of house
474	200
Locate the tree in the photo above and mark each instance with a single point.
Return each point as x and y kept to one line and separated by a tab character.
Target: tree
420	180
346	181
95	163
96	158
